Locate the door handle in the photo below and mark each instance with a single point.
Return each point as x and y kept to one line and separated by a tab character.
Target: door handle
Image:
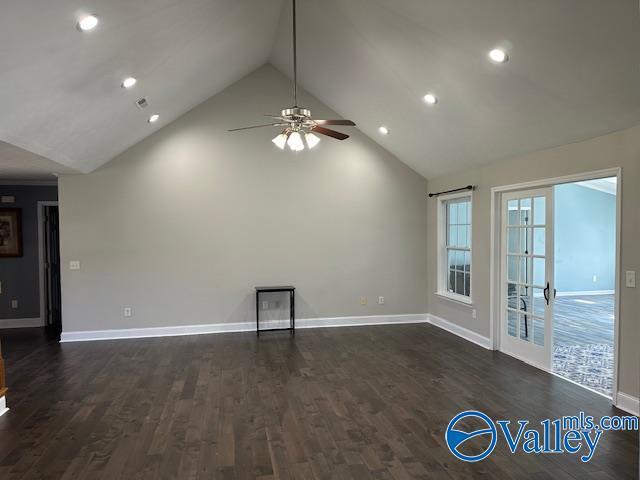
546	293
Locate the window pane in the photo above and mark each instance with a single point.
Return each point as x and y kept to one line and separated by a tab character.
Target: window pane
467	261
467	285
453	213
452	281
462	236
525	211
538	331
539	271
460	283
452	259
453	236
512	323
539	212
512	212
539	241
463	217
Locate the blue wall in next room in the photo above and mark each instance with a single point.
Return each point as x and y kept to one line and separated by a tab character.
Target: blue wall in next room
585	239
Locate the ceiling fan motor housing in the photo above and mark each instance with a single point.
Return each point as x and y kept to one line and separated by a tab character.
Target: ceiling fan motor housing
299	112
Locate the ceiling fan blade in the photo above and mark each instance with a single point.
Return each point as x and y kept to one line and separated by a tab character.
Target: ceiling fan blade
257	126
348	123
330	133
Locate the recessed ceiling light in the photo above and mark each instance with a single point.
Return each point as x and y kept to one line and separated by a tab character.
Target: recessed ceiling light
129	82
154	118
430	99
87	22
383	130
497	55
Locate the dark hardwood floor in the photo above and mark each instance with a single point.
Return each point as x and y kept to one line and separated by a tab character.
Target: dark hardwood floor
344	403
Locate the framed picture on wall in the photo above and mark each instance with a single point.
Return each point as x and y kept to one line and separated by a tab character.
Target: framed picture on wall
10	232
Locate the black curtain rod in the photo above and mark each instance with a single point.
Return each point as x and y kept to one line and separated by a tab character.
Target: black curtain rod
468	187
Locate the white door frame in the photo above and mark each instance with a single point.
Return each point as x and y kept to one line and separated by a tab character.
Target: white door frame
41	205
496	231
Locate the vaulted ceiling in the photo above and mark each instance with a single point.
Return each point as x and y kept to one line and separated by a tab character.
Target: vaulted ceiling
573	71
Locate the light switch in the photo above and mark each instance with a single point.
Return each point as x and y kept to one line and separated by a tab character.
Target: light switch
381	300
14	303
127	311
7	199
74	265
631	279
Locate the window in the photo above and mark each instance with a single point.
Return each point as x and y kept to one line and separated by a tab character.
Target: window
454	231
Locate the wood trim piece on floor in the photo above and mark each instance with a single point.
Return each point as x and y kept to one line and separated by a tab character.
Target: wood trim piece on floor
628	403
21	322
84	336
465	333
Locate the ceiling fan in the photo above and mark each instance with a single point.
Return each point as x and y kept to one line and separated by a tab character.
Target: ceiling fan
299	126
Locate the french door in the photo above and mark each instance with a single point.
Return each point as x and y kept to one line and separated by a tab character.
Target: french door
527	293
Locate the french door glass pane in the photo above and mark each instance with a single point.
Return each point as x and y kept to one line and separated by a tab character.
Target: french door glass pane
512	323
525	270
539	210
513	240
539	241
525	211
525	240
538	302
538	331
525	326
539	271
512	296
512	213
512	268
525	298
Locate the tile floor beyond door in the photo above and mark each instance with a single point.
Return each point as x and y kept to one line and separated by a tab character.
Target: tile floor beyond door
583	340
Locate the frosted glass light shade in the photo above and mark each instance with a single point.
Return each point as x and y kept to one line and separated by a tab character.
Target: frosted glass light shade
312	139
280	141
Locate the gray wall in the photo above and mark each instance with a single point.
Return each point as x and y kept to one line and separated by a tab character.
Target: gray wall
19	276
182	226
621	149
585	239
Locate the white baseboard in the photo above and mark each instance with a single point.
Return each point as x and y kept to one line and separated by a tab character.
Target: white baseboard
239	327
461	331
21	323
586	293
628	403
3	406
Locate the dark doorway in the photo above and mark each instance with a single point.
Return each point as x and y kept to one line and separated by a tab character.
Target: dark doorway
51	264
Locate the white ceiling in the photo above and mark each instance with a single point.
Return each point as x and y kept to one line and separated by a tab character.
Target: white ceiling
573	71
60	88
19	164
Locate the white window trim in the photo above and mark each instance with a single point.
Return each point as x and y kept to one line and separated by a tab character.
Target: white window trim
442	290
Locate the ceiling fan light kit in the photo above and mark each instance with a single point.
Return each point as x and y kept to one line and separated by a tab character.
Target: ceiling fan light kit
299	127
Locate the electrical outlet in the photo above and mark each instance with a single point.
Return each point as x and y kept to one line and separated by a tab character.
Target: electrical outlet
14	303
363	300
380	300
474	313
128	312
265	305
74	265
631	279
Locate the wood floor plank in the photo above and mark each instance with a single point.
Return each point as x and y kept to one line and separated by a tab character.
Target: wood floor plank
340	403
